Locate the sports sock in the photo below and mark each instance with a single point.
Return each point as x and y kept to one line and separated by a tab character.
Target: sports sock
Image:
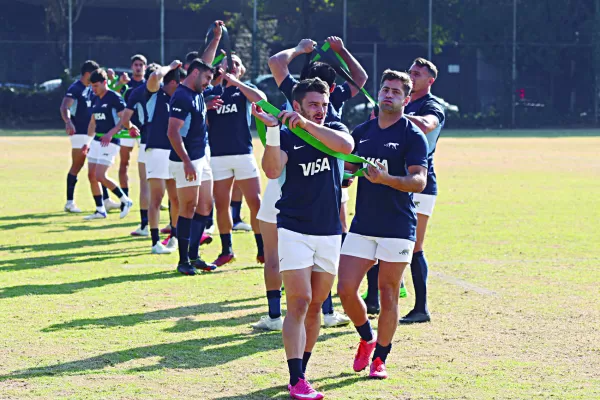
71	182
126	191
373	285
173	231
226	247
236	211
274	300
305	359
119	193
155	237
259	244
198	225
144	218
295	367
382	351
210	222
327	306
365	331
99	204
105	195
170	219
419	270
183	236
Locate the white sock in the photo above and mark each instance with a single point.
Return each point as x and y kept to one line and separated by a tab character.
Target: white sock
70	202
124	199
101	209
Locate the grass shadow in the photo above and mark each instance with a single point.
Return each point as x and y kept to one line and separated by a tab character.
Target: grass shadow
78	244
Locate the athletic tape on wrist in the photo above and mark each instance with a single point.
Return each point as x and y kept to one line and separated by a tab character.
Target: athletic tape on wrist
273	136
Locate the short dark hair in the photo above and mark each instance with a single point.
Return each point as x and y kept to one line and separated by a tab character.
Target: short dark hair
139	57
321	70
174	75
191	56
391	75
309	85
150	69
431	68
200	65
89	66
98	75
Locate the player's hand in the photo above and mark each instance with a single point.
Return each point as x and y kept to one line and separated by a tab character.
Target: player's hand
85	149
217	31
336	43
293	119
175	64
232	80
348	182
190	172
306	45
218	76
70	128
105	140
110	73
266	118
214	102
124	79
377	174
134	131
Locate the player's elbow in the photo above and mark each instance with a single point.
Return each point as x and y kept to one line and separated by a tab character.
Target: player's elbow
346	147
420	184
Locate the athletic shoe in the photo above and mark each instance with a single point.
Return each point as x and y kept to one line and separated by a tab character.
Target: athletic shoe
166	241
378	370
201	265
363	354
125	207
335	319
260	259
373	309
172	243
163	207
242	226
269	324
72	208
205	239
303	390
158	248
111	205
224	259
210	230
96	215
403	293
186	269
166	230
415	317
141	232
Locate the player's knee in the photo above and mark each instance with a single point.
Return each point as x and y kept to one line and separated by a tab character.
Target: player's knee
298	304
345	289
388	296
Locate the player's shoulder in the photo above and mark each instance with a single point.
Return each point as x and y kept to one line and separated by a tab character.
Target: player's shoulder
412	129
365	126
337	126
75	88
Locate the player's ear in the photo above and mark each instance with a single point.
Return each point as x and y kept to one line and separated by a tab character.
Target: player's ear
297	107
406	100
331	88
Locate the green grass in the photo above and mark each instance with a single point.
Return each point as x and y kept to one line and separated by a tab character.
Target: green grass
86	312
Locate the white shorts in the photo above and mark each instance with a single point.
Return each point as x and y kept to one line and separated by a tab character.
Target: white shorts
268	212
157	164
77	141
376	248
299	251
424	203
142	156
129	142
102	155
241	167
345	195
207	174
176	172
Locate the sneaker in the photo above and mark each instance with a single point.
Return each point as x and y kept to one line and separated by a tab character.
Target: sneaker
224	259
210	230
378	370
163	207
166	230
205	239
166	241
111	205
373	309
363	354
186	269
96	215
403	293
158	248
303	390
141	232
335	319
125	207
203	266
415	317
241	226
72	208
269	324
172	243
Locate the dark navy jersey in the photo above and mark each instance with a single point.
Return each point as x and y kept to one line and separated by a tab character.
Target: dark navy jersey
158	108
311	187
337	98
105	111
136	102
229	125
380	210
81	110
429	105
188	106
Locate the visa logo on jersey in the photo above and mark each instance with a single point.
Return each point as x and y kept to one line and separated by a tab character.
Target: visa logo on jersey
315	167
99	116
227	109
375	161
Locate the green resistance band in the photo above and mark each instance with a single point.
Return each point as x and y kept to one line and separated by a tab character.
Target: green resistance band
124	134
310	139
218	59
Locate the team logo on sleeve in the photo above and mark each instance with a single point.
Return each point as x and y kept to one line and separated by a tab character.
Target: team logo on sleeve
315	167
227	109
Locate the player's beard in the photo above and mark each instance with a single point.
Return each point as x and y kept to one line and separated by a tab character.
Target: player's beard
313	117
390	108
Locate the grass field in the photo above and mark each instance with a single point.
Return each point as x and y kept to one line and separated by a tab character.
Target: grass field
86	312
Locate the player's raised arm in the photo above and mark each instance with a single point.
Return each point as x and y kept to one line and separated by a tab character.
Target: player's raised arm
274	159
279	63
357	72
157	76
210	51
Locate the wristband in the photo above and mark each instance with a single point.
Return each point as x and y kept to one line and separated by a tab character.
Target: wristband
273	136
